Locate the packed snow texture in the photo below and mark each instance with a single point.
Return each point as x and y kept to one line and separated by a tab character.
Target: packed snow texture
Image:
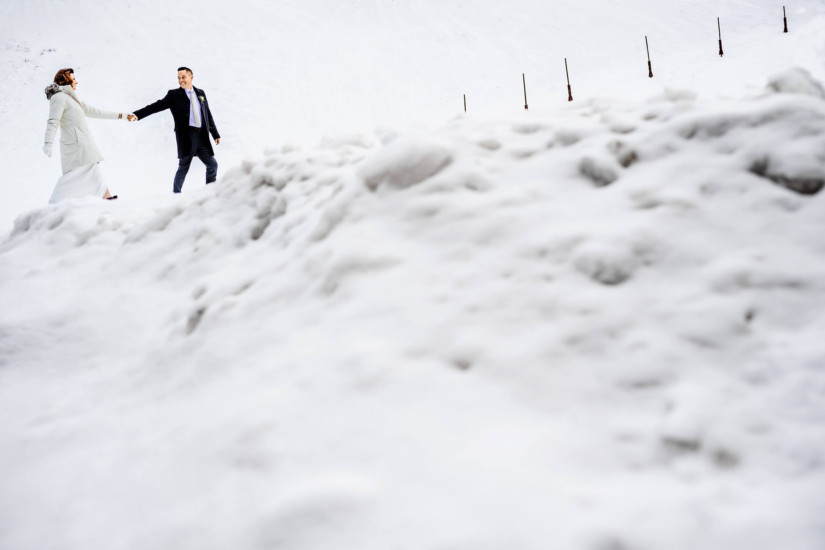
597	327
597	330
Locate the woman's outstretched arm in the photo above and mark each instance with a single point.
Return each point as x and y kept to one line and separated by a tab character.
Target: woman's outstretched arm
94	112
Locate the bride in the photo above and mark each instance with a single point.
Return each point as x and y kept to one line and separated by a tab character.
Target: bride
79	156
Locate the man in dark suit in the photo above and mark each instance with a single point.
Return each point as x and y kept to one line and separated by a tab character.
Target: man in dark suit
192	121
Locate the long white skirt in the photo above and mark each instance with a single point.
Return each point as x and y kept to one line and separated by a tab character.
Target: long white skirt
80	182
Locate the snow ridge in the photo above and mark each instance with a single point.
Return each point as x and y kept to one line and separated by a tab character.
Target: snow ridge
600	327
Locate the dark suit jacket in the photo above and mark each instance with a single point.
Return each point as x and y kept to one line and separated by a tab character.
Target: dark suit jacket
178	103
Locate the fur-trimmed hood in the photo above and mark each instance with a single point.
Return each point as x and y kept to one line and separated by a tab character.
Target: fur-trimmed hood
52	89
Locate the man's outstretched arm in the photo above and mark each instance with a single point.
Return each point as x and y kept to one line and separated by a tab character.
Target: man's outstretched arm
156	107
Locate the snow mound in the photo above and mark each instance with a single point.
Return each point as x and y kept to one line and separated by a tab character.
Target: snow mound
496	328
405	162
796	81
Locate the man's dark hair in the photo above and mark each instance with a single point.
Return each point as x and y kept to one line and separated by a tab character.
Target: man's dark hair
187	69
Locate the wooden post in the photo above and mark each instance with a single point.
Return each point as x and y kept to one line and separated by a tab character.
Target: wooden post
524	83
785	18
649	65
719	25
569	89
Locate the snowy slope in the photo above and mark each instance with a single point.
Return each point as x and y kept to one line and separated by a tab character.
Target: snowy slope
591	326
294	71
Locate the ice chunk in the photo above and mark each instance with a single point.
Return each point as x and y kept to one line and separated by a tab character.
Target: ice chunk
404	162
796	81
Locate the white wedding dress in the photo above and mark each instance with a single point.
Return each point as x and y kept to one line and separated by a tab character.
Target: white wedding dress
80	182
79	155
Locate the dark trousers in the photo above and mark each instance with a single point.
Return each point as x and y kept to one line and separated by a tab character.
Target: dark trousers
198	137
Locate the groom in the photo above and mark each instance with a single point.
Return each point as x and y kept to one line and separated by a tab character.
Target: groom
192	121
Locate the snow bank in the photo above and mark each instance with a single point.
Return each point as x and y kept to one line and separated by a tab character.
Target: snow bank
796	81
597	328
405	162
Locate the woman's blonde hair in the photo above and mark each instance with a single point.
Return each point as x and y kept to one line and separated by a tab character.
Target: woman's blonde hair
62	77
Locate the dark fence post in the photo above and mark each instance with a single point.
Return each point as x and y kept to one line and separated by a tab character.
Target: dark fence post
785	18
719	25
524	83
569	89
649	65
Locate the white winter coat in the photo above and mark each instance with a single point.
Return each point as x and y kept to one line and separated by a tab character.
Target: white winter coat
77	148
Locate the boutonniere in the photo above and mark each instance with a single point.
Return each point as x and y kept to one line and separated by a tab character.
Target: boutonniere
201	98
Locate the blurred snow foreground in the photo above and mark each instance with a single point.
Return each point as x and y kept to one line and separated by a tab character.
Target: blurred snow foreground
598	329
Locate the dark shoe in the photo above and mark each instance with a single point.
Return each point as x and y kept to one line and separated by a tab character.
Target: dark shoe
111	198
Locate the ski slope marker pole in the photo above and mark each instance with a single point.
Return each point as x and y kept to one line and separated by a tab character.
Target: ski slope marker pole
785	18
569	89
465	103
649	65
719	25
524	84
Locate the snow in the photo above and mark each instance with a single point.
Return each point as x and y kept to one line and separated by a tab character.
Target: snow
593	325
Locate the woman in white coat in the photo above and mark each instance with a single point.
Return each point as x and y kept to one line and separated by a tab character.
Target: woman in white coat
79	156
